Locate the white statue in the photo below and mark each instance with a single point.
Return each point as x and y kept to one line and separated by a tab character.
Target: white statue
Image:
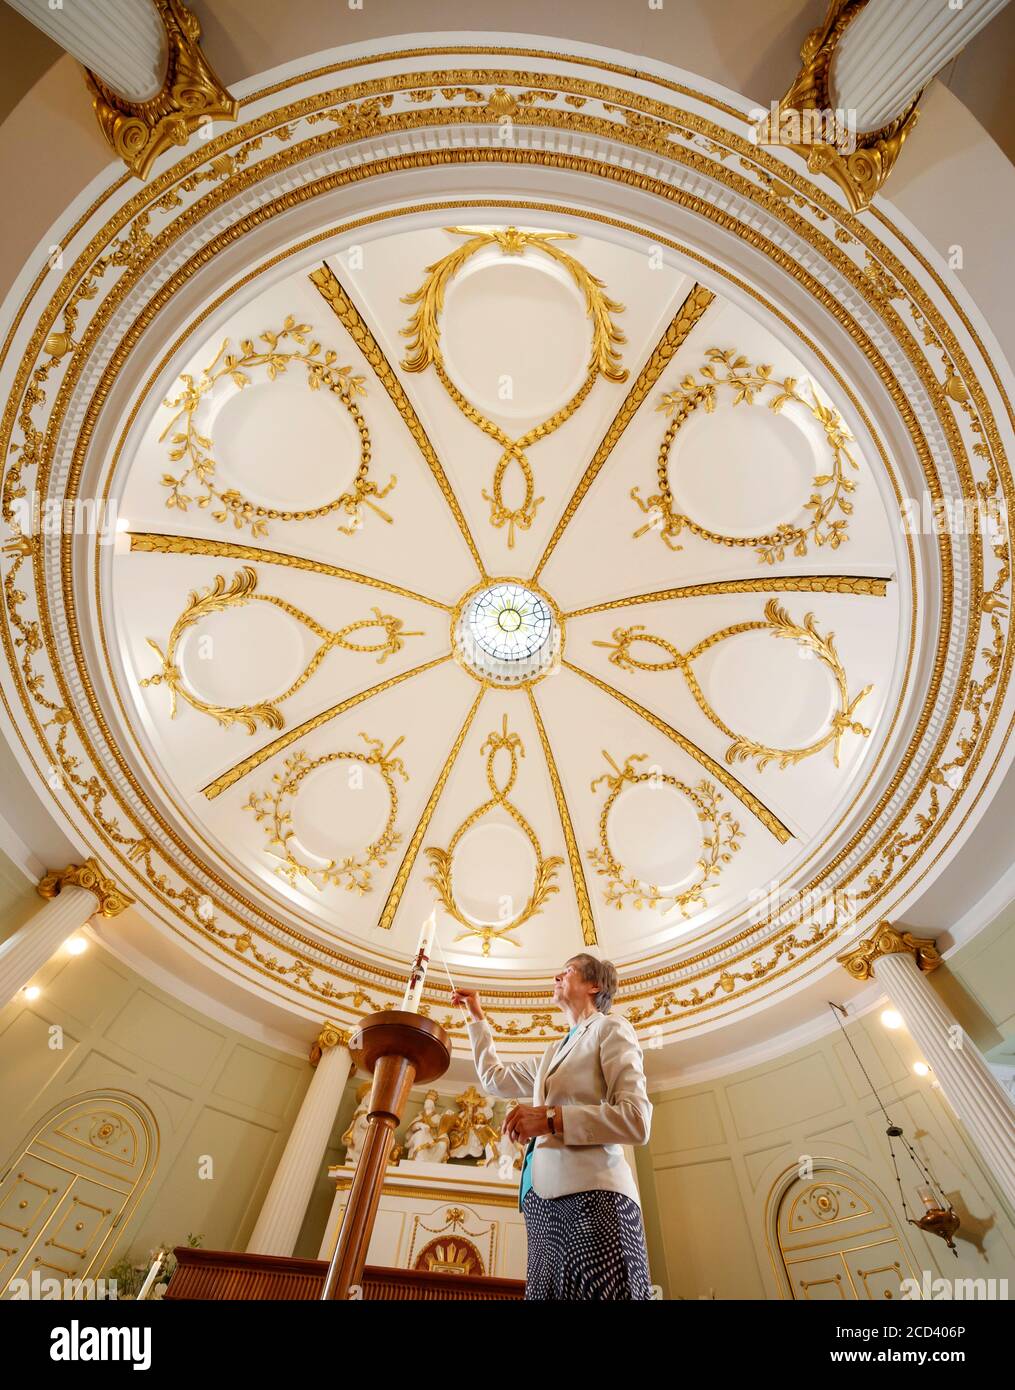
425	1140
356	1133
502	1153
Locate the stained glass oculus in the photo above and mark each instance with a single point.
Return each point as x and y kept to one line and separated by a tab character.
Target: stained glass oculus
506	633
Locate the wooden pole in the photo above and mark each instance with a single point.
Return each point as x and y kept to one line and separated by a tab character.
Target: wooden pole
400	1049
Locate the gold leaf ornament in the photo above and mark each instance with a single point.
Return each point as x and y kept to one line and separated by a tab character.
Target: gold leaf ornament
829	503
273	353
240	591
442	860
424	351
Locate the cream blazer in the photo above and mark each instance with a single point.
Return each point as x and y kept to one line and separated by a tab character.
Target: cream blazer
597	1081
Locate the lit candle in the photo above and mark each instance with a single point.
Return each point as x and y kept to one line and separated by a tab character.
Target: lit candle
152	1275
414	989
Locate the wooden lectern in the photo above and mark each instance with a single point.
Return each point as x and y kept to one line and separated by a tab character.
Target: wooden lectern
400	1049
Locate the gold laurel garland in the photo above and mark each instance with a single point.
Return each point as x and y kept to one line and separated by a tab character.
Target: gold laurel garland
354	872
725	368
780	624
719	842
189	446
425	351
441	860
216	599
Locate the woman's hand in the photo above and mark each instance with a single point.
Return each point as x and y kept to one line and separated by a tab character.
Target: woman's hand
469	998
525	1122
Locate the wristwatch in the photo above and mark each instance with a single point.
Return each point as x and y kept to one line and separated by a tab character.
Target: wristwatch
551	1115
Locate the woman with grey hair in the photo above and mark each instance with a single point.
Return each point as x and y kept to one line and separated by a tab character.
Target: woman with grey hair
583	1100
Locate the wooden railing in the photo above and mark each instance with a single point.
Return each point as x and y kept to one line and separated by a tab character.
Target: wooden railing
230	1274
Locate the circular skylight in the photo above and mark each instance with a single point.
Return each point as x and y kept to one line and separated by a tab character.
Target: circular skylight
507	634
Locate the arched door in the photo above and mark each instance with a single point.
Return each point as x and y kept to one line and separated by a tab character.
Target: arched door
76	1180
833	1236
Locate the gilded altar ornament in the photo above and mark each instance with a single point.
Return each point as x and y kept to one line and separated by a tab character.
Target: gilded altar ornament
859	164
281	348
720	840
355	871
829	503
191	97
112	900
442	860
779	624
242	590
424	351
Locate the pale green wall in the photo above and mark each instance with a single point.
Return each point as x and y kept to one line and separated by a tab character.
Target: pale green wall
718	1146
978	984
212	1090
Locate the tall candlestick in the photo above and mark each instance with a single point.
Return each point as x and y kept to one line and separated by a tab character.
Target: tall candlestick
414	989
151	1276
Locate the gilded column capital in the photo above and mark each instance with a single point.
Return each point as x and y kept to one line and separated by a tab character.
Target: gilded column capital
331	1035
139	131
887	940
112	899
804	120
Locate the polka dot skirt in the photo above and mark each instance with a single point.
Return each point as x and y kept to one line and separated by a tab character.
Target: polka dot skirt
587	1245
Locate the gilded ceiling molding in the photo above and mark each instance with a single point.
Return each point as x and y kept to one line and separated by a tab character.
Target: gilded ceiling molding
586	917
191	97
779	623
355	871
962	411
331	1035
219	597
720	840
334	294
757	808
111	898
887	940
424	351
247	765
275	351
153	543
829	503
442	860
387	916
858	585
694	305
859	164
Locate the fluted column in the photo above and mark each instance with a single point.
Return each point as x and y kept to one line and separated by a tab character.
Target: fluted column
285	1206
122	41
74	895
899	962
151	85
893	48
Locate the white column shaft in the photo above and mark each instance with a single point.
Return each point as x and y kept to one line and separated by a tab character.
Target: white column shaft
892	50
285	1206
122	41
968	1084
31	946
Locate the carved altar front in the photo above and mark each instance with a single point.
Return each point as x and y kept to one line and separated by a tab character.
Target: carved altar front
446	1218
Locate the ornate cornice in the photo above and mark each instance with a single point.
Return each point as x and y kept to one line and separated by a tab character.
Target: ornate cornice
91	875
888	941
331	1035
139	131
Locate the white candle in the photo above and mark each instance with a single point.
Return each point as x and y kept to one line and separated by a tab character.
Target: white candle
151	1276
414	989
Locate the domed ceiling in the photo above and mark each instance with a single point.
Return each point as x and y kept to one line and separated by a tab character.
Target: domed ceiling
498	568
509	495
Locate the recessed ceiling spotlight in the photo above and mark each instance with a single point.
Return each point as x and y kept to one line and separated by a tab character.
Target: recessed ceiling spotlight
921	1068
891	1018
32	991
76	945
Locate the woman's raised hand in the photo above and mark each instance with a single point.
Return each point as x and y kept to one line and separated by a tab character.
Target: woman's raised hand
469	999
